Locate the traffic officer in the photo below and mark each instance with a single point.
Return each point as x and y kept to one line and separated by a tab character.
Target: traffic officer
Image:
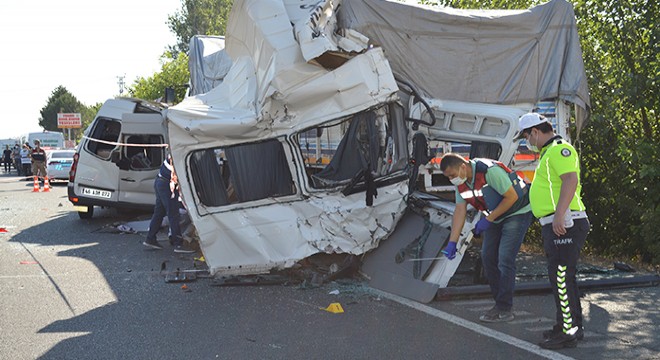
556	202
502	197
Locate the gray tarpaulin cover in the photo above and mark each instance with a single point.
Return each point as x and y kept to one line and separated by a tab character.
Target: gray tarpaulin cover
208	63
491	56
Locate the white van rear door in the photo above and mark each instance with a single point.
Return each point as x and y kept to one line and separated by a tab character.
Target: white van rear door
143	154
96	176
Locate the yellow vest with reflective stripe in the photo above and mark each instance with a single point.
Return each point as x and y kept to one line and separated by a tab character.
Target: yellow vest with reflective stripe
557	158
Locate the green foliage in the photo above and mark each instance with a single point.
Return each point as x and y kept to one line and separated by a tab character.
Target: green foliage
620	146
198	17
61	100
476	4
174	73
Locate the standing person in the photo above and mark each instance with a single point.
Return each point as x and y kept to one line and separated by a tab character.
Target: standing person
167	203
556	202
501	196
6	158
26	163
16	157
38	156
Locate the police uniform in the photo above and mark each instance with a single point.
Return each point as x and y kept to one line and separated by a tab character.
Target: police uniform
38	156
558	157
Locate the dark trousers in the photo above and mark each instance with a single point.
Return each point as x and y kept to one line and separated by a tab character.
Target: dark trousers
563	253
166	204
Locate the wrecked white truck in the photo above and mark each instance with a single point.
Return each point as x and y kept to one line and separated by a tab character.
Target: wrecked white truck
316	137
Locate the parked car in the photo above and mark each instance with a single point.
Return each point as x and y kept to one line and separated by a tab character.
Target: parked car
58	163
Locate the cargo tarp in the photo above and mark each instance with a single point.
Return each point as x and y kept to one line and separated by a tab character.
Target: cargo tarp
488	56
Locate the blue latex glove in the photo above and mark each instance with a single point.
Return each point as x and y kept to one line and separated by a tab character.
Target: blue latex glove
450	250
482	225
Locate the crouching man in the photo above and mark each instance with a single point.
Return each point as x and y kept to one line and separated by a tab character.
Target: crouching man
502	197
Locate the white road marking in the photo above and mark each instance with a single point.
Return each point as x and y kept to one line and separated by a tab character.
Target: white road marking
480	329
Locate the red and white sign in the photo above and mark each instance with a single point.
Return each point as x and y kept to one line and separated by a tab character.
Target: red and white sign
69	120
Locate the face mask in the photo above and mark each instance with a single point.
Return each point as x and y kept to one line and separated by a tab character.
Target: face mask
530	147
458	180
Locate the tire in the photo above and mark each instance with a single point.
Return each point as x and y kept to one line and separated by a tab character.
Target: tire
88	214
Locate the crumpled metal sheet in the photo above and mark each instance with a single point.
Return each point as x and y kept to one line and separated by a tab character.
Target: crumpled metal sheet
270	91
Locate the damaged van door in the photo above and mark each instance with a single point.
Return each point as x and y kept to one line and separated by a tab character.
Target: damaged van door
140	158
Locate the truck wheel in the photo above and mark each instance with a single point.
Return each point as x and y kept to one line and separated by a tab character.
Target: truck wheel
88	214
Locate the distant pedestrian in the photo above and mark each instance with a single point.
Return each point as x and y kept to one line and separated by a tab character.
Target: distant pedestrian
26	163
16	157
6	158
167	203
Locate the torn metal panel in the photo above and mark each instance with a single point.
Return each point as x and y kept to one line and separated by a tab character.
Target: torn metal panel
249	152
255	240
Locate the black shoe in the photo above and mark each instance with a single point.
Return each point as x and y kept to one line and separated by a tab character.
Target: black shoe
153	245
183	249
556	330
559	342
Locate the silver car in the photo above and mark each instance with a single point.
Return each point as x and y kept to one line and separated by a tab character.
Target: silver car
59	163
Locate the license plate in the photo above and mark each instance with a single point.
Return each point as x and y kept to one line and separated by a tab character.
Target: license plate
97	193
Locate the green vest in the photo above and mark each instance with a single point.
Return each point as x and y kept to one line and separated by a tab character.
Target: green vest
557	158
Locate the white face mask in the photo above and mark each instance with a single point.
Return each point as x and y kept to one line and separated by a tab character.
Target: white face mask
532	148
458	180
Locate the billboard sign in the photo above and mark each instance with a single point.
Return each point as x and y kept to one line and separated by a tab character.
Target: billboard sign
69	121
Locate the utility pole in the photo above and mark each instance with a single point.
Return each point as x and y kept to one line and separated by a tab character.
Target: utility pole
121	83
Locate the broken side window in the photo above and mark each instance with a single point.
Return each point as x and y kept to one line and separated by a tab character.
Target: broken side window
144	157
107	130
373	141
241	173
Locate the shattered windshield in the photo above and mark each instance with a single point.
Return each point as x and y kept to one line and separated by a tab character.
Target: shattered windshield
371	141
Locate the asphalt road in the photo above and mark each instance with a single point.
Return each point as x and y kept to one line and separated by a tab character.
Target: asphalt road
70	290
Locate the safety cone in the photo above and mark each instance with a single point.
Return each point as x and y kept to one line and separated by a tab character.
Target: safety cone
46	184
36	184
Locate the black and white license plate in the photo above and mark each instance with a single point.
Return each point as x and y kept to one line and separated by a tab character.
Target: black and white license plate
97	193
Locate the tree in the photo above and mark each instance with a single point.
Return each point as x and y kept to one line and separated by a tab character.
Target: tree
61	100
620	145
198	17
174	73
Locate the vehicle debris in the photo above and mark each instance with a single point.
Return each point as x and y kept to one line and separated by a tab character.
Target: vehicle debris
304	146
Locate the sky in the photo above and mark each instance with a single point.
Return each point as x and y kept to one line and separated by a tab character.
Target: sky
81	45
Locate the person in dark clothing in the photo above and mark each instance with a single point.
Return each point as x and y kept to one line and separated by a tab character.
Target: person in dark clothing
167	203
6	158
